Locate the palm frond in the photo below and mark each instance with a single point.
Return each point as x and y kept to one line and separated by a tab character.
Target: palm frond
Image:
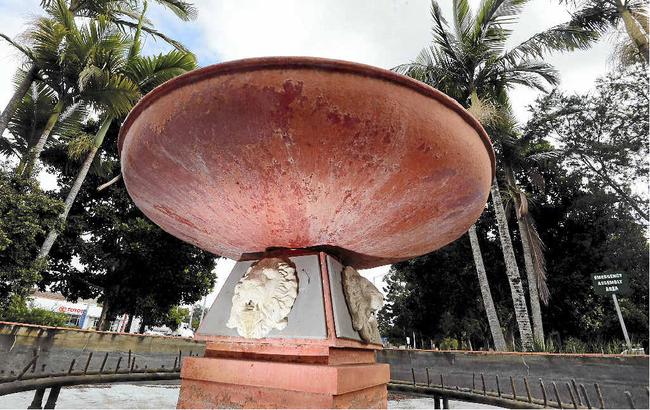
533	74
79	146
491	22
149	72
115	95
30	116
595	17
26	51
155	33
537	248
184	10
462	18
442	37
563	37
136	44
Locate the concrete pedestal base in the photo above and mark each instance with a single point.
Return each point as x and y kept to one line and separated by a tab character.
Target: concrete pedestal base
317	361
319	377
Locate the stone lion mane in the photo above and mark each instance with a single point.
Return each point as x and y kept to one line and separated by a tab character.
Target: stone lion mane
363	300
263	298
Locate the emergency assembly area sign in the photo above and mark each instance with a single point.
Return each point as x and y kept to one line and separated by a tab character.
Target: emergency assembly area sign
607	283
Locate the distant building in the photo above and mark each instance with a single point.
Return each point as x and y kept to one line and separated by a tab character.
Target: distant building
83	314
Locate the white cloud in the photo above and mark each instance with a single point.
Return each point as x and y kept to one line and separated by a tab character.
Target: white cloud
378	32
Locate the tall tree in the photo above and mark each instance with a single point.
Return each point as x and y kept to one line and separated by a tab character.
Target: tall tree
521	156
123	13
128	71
471	64
604	133
486	294
27	212
131	265
602	16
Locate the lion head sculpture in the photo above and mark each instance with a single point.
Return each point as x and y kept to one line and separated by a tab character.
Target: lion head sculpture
263	298
363	300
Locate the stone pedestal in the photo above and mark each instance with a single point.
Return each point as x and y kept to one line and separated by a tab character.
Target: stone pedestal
317	361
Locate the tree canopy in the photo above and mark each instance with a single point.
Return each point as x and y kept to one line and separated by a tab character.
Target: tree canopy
586	224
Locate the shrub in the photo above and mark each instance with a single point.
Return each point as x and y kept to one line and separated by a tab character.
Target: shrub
449	343
18	311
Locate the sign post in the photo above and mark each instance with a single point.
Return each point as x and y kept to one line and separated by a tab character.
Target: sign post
612	283
620	319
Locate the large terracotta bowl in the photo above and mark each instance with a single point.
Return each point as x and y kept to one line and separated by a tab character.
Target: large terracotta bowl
292	152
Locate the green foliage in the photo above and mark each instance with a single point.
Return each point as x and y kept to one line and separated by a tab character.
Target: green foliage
128	262
586	224
18	310
196	316
437	295
471	55
27	214
176	316
449	343
603	133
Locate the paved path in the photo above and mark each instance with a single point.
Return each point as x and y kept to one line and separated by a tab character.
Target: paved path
129	396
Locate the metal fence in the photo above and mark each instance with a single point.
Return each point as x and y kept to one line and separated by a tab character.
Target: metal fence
506	393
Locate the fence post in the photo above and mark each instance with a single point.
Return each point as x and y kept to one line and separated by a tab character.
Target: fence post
530	397
541	384
52	397
90	356
573	399
557	396
584	393
37	401
600	396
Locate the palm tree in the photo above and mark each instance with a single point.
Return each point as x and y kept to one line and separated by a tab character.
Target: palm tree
486	294
601	16
522	156
128	71
30	118
471	64
121	12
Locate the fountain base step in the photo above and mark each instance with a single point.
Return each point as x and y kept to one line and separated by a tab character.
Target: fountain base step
284	381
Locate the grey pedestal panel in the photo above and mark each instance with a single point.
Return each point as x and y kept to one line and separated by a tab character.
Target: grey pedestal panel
342	320
306	319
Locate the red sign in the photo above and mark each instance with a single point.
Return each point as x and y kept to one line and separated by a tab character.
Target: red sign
64	309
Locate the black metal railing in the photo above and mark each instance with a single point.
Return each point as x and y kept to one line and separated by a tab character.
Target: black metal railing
506	396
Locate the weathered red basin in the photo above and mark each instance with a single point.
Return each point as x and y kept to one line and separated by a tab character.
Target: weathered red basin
297	152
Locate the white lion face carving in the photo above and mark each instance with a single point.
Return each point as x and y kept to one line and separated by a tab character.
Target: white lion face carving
364	300
263	298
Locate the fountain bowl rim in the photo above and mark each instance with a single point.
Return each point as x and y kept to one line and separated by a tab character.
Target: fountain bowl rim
305	63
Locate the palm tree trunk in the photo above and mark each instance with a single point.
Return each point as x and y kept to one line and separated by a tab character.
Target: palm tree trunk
512	270
75	188
26	168
20	92
486	294
633	30
533	294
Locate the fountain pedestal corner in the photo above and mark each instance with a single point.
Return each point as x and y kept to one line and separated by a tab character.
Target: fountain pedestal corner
317	361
